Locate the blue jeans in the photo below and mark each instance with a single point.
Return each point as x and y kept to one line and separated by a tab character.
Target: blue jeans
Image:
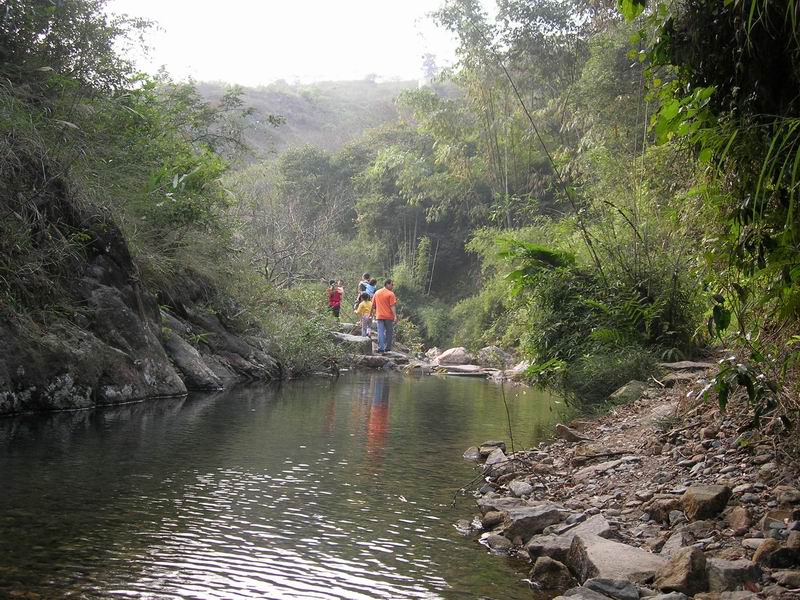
385	334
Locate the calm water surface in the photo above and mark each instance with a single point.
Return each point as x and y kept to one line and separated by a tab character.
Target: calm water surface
316	489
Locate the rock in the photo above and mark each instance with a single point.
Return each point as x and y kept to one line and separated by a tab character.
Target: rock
526	522
765	551
195	372
674	379
793	541
742	595
726	575
705	501
787	495
660	508
487	447
670	596
517	372
592	556
738	519
789	579
594	470
752	543
373	361
774	519
472	453
492	519
549	574
355	344
630	392
687	365
497	543
685	572
494	461
520	488
492	356
581	593
557	546
619	589
455	356
565	433
676	542
432	353
494	503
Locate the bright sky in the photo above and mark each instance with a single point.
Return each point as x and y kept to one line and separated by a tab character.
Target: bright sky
253	42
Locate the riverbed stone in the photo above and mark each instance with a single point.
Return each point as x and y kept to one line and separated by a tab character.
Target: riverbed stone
592	556
489	446
493	503
549	574
774	519
685	572
492	519
787	495
727	575
497	543
789	579
495	357
738	519
557	546
520	488
630	392
705	501
619	589
659	509
595	470
357	344
495	462
563	432
525	522
455	356
472	453
581	593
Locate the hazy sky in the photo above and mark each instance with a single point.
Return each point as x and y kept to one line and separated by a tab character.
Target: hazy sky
254	42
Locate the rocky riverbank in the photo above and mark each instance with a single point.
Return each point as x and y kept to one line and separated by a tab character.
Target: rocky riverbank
664	497
111	342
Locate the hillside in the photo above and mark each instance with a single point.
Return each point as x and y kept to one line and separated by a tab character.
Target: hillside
324	114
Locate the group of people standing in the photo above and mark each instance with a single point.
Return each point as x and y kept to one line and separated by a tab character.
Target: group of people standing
370	303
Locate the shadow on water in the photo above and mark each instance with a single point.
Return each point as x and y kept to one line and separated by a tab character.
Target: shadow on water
316	489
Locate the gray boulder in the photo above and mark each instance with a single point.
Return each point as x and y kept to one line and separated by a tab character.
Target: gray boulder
729	575
557	546
492	356
630	392
355	344
525	522
455	356
705	501
549	574
619	589
685	572
592	556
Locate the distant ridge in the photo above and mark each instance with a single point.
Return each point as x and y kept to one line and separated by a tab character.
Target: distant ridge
324	114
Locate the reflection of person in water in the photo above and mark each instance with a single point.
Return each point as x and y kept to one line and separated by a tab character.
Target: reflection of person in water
378	418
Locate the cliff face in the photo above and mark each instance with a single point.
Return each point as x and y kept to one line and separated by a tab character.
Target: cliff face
116	346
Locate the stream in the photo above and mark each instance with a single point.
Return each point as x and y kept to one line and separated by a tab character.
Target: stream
320	488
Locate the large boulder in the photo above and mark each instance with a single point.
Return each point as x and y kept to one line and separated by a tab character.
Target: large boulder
525	522
728	575
705	501
557	546
685	572
549	574
619	589
592	556
630	392
355	344
455	356
492	356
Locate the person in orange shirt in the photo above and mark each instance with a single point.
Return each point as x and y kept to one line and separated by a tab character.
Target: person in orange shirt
385	312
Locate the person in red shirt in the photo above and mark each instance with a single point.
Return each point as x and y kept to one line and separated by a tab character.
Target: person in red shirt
334	298
385	312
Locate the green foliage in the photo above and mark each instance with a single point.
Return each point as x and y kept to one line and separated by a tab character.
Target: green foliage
591	379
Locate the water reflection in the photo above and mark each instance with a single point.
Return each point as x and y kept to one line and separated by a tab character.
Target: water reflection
319	489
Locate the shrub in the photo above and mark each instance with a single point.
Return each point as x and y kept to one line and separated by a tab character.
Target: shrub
592	378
